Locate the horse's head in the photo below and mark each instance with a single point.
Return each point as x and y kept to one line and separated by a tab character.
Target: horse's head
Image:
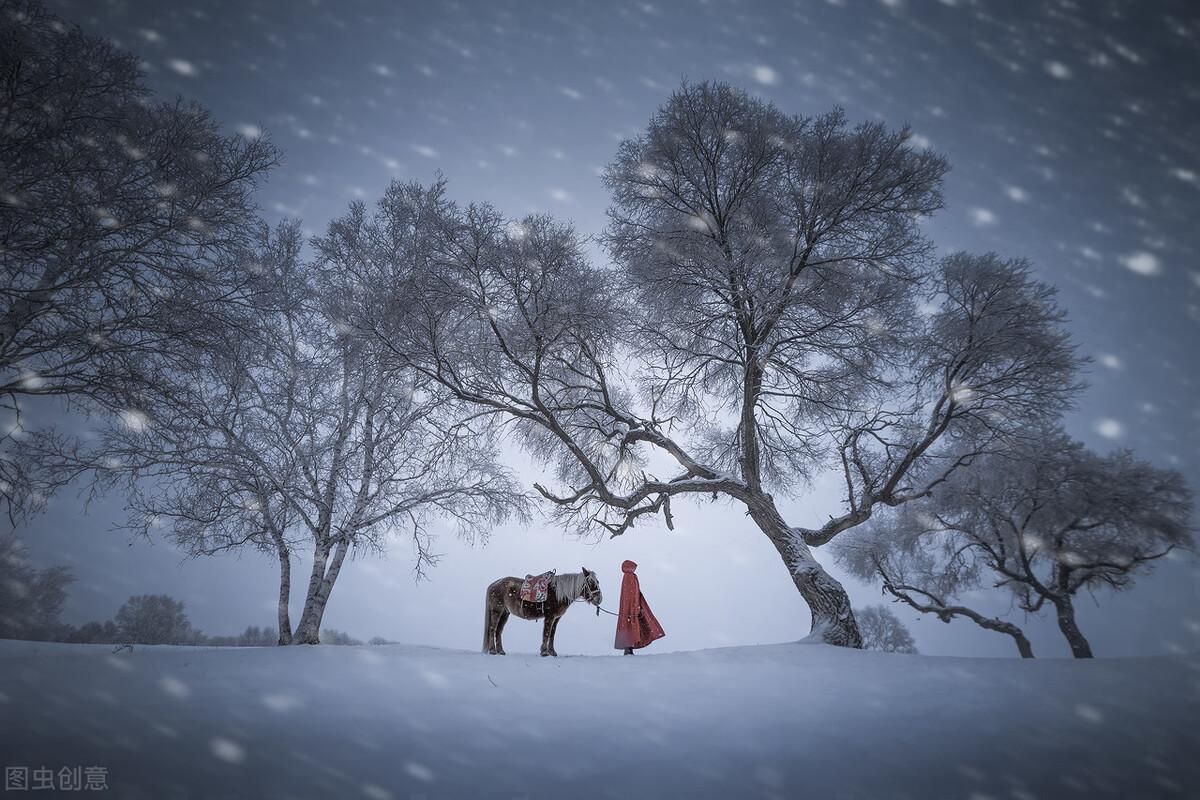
590	590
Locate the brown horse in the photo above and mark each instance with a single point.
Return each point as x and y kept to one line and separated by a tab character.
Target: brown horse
503	599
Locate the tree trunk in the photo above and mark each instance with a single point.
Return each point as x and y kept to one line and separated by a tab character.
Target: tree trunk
309	629
285	595
1023	645
832	618
1066	623
320	586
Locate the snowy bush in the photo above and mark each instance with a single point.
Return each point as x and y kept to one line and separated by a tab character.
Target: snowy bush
95	633
333	636
883	630
155	619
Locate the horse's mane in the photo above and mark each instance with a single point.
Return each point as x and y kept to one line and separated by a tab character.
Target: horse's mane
568	585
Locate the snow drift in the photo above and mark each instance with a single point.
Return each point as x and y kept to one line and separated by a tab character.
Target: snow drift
785	720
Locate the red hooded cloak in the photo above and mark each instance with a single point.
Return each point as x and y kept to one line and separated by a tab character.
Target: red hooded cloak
636	625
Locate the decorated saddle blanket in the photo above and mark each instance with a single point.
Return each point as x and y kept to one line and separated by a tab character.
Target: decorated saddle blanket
536	588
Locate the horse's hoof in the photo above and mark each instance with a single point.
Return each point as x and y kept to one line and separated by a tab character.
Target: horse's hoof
499	652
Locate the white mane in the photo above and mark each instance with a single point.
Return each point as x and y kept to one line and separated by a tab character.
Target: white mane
568	585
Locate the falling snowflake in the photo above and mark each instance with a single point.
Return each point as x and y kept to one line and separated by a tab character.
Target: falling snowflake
1059	70
134	420
765	75
981	217
1142	263
185	68
227	750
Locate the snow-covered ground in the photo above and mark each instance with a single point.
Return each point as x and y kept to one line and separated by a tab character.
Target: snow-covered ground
789	720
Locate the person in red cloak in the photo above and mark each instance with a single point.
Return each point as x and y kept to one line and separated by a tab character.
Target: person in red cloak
636	625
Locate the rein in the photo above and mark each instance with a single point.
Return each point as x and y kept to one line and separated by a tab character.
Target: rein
589	592
598	608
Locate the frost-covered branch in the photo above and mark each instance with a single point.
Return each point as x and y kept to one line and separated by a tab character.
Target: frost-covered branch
122	222
1041	519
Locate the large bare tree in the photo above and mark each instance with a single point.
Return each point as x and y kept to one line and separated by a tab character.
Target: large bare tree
1040	521
119	219
775	263
761	323
295	435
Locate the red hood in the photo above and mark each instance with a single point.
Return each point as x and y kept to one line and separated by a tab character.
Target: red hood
628	566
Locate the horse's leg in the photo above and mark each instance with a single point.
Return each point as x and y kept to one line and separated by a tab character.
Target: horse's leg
489	640
553	631
499	628
493	623
547	635
547	624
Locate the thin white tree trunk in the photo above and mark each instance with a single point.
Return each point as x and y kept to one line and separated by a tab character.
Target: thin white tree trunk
320	585
285	595
309	629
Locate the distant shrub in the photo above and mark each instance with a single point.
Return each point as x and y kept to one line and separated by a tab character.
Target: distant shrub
95	633
255	636
883	630
333	636
155	619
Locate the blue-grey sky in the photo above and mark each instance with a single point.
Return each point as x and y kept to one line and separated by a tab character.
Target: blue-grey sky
1072	130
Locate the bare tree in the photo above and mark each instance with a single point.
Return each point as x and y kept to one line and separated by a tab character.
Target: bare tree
883	630
119	217
189	449
296	434
1041	520
761	324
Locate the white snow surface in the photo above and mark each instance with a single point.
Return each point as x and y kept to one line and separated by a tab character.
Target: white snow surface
787	720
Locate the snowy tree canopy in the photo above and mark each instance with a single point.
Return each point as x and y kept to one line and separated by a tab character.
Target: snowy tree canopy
121	219
759	325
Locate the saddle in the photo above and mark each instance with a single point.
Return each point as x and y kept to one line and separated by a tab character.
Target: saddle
536	588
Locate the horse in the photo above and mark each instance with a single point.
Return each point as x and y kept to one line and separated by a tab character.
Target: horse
503	598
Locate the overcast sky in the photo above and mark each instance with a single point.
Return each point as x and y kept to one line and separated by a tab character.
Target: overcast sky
1073	137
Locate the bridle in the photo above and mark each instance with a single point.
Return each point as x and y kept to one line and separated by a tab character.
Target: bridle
591	590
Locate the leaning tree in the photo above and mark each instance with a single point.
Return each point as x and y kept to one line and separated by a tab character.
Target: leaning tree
761	322
119	217
1040	521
